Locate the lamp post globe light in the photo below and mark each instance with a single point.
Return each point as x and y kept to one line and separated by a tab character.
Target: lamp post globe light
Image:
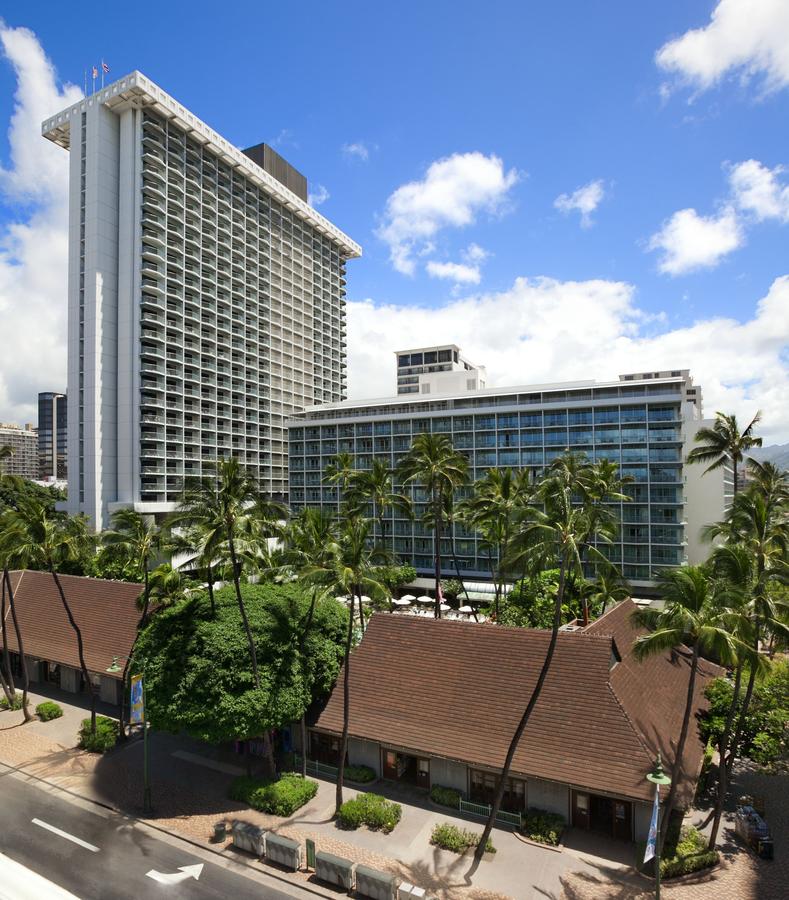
113	669
658	777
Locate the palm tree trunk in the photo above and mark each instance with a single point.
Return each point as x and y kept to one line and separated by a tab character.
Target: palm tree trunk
437	538
746	703
683	735
80	648
304	633
236	581
557	621
346	709
20	644
723	745
7	675
304	744
210	582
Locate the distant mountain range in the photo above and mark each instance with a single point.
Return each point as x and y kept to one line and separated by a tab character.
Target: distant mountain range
778	454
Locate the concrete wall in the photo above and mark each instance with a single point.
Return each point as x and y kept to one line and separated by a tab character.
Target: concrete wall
365	753
109	690
449	774
642	815
549	796
707	496
69	679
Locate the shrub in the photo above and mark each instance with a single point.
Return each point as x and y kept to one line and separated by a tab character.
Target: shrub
690	854
16	703
445	796
48	710
372	810
765	748
360	774
458	840
544	827
279	798
104	739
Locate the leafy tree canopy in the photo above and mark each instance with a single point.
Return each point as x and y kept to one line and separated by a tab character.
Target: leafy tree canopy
530	603
395	577
198	677
15	490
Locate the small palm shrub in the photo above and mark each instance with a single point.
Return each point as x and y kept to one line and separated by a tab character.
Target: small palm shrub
107	731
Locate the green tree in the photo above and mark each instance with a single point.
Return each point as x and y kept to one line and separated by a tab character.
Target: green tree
724	444
197	671
695	618
352	570
166	586
224	509
134	540
375	486
31	539
8	590
434	465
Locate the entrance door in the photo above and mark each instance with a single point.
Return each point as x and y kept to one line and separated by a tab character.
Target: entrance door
580	809
390	764
423	773
623	820
601	814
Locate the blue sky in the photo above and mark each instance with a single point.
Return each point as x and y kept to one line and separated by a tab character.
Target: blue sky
524	103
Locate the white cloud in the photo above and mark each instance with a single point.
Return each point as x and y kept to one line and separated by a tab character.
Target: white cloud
586	200
33	238
748	37
460	273
690	241
543	330
452	193
758	191
357	150
320	195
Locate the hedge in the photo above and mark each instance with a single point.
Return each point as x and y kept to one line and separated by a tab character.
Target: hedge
543	827
445	796
107	731
458	840
372	810
279	798
360	774
48	710
15	704
689	855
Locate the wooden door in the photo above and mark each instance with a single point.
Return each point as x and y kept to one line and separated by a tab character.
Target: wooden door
581	809
423	772
623	820
390	764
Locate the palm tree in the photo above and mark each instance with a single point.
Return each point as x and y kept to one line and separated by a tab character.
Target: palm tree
607	587
310	546
498	498
135	540
30	539
8	589
166	586
351	569
725	444
694	622
226	508
375	485
553	535
191	542
339	472
434	465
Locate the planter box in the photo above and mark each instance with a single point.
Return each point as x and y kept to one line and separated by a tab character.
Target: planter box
374	884
283	851
334	870
249	837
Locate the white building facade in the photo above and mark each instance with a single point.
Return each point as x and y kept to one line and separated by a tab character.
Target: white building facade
645	423
206	302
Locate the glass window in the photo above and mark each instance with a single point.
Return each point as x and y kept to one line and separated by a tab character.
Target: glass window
634	413
579	417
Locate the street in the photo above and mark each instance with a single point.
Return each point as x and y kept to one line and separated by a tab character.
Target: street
97	854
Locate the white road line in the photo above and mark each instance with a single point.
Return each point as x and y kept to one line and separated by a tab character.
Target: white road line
17	882
66	835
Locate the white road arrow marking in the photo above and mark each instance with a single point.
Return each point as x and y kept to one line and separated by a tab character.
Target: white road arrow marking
66	835
183	873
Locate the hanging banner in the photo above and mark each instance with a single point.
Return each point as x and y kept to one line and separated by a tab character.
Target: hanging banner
136	704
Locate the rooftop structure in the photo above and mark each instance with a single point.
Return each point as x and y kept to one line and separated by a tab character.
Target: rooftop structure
206	301
437	370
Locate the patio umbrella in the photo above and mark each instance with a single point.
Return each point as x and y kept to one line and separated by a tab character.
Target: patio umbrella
365	599
425	599
466	610
445	607
401	602
342	599
408	597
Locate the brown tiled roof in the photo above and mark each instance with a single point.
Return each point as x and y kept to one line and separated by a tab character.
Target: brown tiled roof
105	611
457	690
653	692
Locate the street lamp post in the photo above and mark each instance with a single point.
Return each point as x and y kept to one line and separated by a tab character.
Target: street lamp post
146	797
657	776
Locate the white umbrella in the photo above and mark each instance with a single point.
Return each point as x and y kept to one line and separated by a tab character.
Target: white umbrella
408	597
445	607
401	602
365	599
342	599
467	610
425	599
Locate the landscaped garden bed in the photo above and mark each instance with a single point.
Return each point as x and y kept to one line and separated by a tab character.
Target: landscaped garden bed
48	710
685	852
359	774
445	796
458	840
15	704
104	738
279	798
372	810
542	827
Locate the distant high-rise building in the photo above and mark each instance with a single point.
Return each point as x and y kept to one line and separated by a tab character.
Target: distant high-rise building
23	442
52	436
206	301
644	422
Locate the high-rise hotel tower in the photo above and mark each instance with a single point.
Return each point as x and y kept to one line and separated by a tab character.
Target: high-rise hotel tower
206	301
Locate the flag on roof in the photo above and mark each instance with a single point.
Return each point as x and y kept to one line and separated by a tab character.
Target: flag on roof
95	72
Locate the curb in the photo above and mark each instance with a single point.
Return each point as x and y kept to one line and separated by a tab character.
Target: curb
556	848
308	888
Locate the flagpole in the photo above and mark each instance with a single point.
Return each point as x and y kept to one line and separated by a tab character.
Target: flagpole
657	776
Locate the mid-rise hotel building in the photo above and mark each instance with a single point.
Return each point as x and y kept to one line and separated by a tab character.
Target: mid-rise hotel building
644	422
206	301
